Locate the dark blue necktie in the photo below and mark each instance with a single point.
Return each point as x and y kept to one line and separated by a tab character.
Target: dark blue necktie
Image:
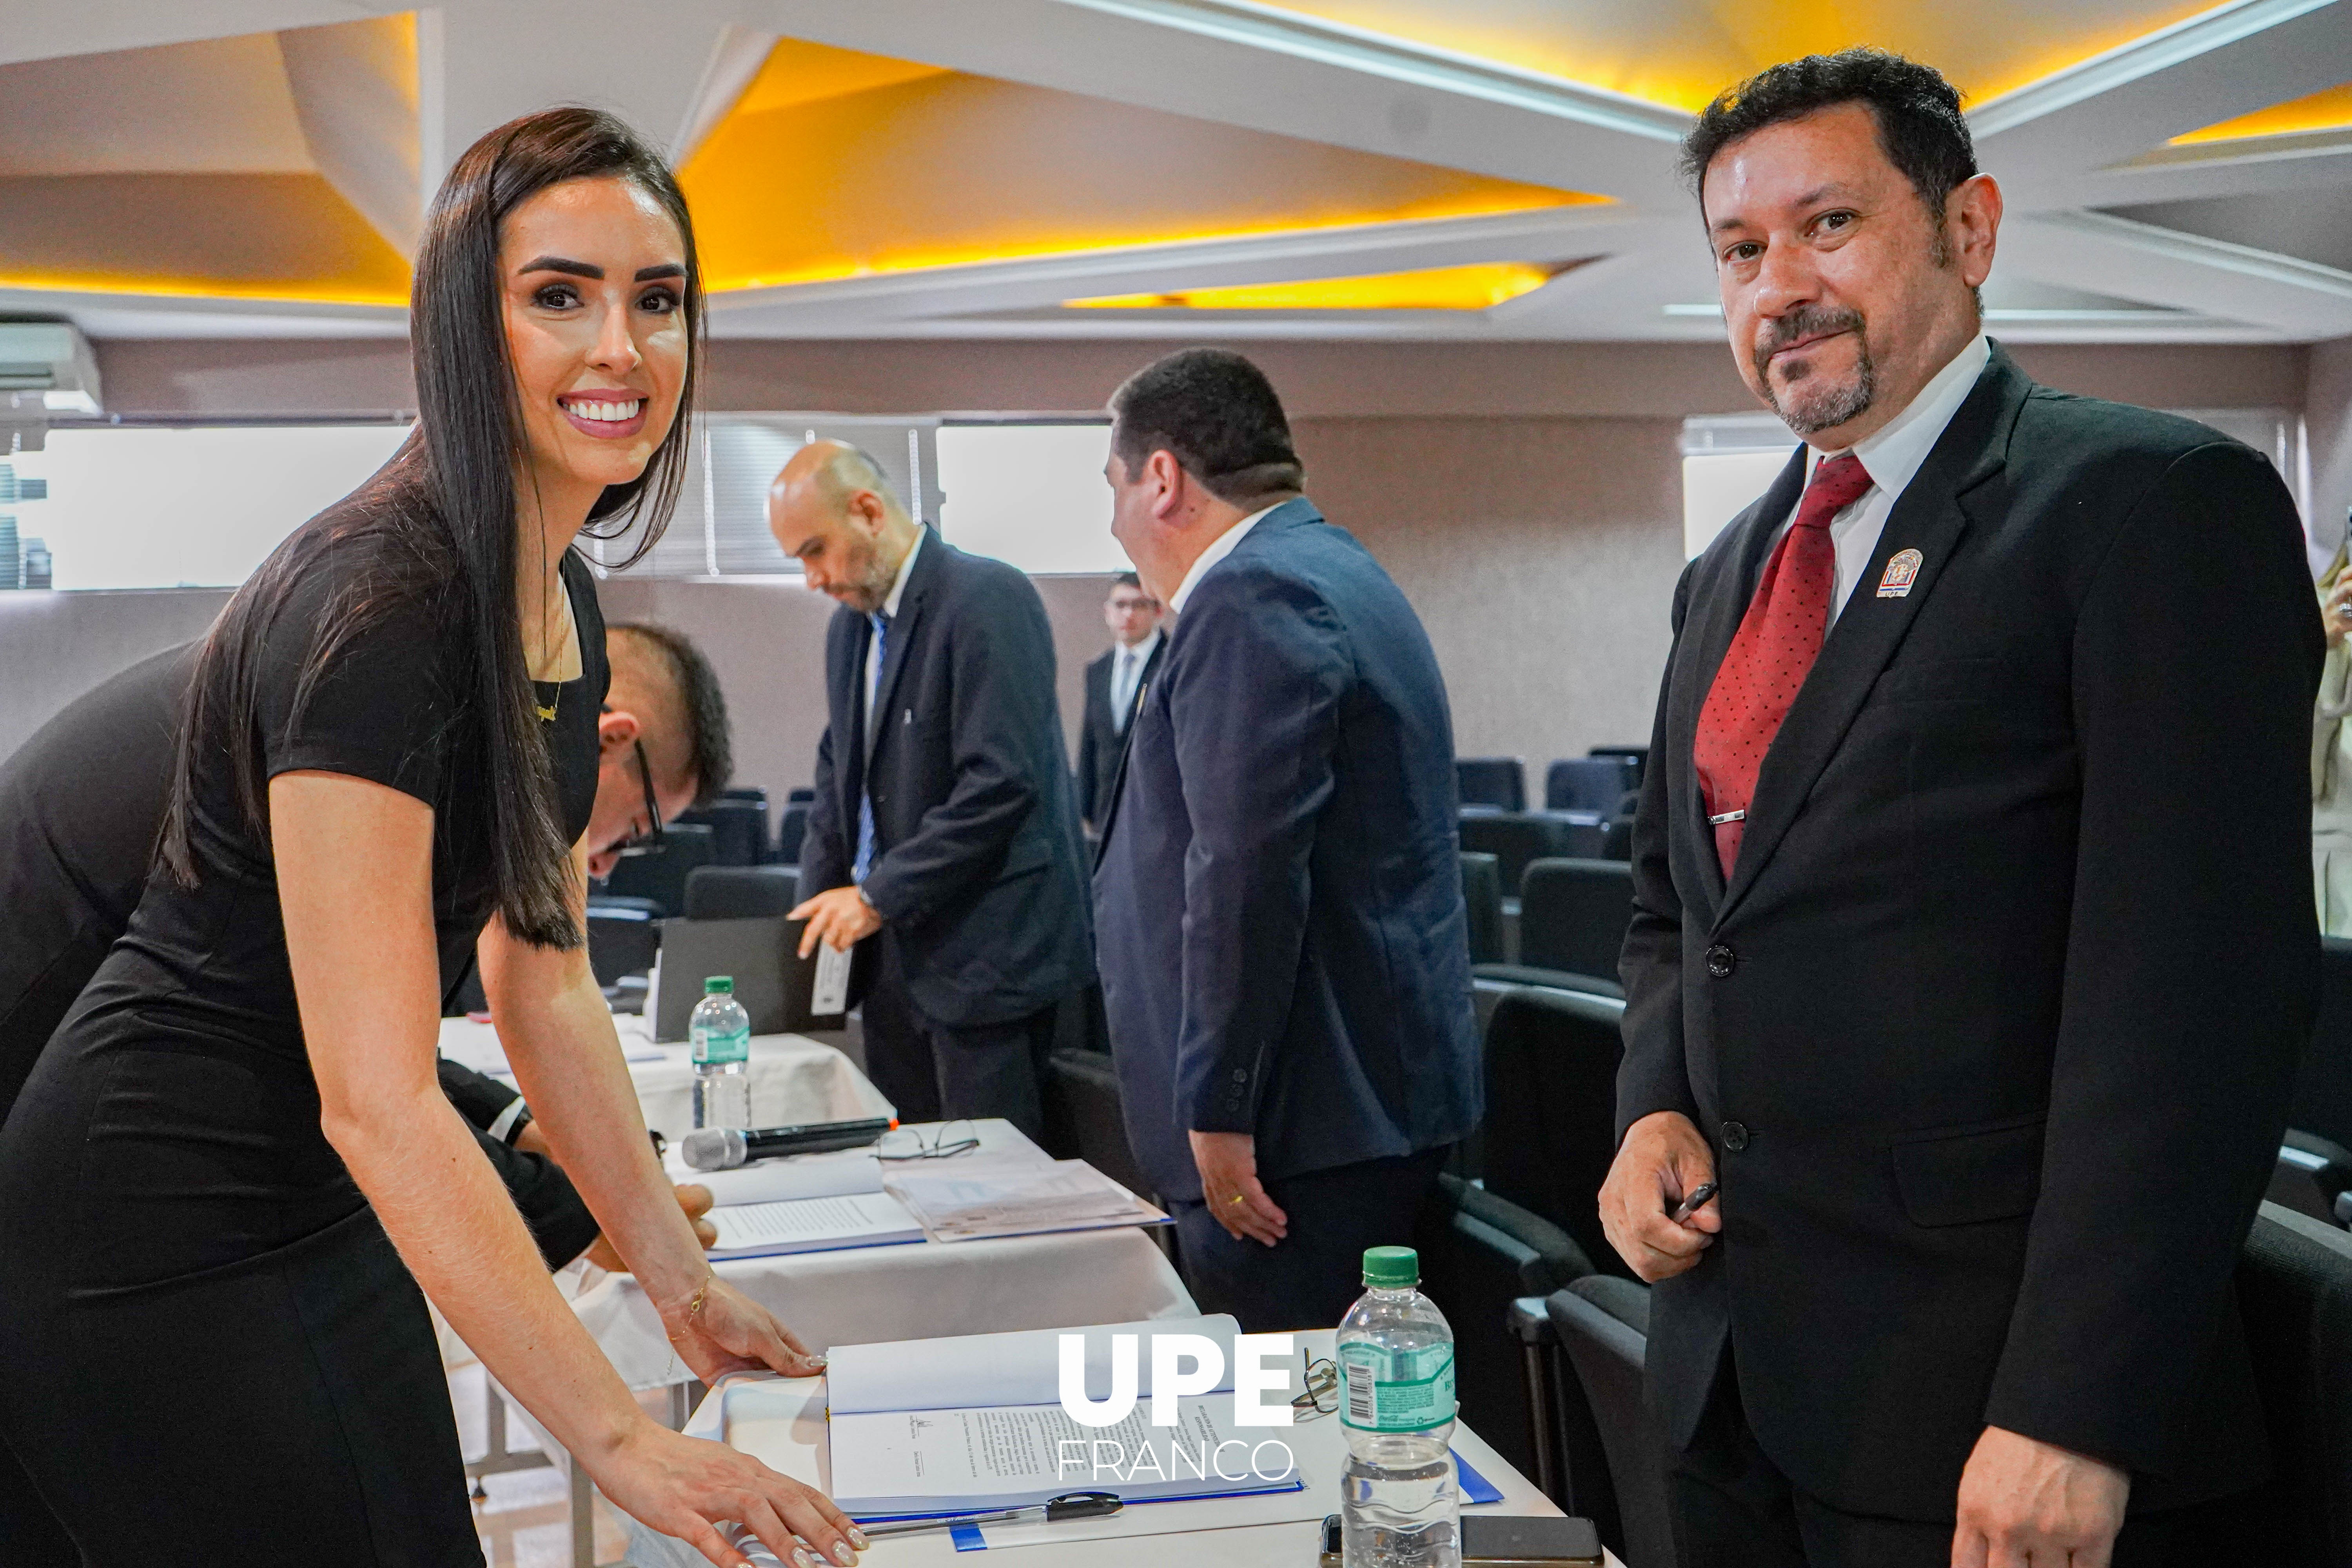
873	733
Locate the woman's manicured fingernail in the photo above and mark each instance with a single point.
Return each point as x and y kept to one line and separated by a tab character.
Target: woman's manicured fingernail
858	1538
843	1554
804	1557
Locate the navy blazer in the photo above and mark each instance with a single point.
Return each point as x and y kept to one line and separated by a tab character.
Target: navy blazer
1102	743
1278	899
1993	1025
979	871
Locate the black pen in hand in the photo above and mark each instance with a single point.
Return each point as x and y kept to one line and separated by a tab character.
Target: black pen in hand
1699	1197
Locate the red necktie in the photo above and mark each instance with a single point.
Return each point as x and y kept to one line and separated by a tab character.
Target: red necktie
1772	654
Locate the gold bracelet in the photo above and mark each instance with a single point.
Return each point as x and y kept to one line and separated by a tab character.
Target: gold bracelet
695	1306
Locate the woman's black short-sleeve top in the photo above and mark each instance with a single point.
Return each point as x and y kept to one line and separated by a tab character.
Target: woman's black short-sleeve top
389	704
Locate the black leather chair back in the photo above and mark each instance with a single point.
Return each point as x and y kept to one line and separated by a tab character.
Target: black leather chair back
1482	895
1573	914
1551	1108
1514	838
1498	782
1479	1254
1617	839
1084	1120
1638	756
623	934
2294	1292
800	796
2323	1090
662	877
740	892
738	830
745	792
1604	1323
1590	784
791	828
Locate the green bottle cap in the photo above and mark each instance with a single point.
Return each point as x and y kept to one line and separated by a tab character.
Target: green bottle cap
718	986
1391	1267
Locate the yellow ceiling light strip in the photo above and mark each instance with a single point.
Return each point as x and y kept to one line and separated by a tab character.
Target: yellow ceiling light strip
1474	287
2330	110
838	166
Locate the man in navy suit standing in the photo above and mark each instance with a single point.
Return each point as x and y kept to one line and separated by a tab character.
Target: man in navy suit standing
1283	945
942	842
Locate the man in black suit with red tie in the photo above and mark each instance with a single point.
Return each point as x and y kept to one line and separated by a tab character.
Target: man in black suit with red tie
1973	943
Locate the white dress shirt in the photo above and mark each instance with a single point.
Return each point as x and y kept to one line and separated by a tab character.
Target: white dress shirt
1219	548
890	611
1126	668
1892	458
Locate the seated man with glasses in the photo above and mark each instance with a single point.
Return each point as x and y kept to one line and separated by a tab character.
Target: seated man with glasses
83	801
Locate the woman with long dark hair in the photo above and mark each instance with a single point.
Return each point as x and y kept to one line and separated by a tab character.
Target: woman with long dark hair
210	1349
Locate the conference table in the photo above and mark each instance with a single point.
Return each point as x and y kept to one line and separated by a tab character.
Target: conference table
794	1079
1319	1447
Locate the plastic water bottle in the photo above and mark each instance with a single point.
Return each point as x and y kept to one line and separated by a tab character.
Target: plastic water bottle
1399	1504
722	1032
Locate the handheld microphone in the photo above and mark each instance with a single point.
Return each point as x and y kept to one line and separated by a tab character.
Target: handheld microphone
724	1148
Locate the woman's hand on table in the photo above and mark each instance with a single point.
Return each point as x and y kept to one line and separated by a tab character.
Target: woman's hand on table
728	1331
693	1198
686	1486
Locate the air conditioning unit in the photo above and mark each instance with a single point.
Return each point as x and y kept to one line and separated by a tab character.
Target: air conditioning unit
47	368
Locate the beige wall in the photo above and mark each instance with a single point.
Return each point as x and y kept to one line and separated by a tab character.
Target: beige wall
1525	496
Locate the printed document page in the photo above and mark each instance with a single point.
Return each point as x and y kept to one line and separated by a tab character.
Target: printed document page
971	1202
938	1461
1019	1368
812	1225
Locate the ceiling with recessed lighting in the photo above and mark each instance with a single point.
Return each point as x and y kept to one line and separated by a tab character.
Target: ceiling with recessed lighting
1475	170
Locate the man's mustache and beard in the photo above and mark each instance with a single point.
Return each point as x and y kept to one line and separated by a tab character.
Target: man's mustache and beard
1805	397
869	583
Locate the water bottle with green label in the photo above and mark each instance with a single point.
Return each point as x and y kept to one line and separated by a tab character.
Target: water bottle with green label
1399	1505
722	1032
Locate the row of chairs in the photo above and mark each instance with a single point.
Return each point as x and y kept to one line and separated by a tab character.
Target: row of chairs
1566	927
1598	782
1518	837
731	833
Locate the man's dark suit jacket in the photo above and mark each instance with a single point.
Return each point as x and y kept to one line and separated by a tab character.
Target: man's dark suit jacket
977	870
1992	1030
1100	740
1278	897
81	806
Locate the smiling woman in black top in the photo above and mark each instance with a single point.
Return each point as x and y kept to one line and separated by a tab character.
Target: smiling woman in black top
210	1349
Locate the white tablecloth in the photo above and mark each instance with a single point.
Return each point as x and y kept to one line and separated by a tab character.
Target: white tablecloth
1321	1451
793	1077
919	1291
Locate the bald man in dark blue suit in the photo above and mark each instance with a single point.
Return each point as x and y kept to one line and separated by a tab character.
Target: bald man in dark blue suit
1281	934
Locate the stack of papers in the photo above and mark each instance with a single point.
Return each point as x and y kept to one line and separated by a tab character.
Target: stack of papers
952	1425
1018	1200
812	1225
829	1175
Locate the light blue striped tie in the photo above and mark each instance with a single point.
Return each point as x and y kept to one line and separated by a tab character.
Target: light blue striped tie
873	733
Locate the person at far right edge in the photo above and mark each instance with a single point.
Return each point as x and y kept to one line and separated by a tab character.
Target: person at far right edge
1973	943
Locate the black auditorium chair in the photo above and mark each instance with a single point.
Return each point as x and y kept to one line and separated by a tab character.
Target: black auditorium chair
800	796
791	828
623	934
740	892
1497	782
660	874
2323	1090
1573	914
2295	1290
1515	837
1617	839
1551	1108
1084	1120
1603	1326
1590	784
1479	1254
1638	756
745	792
2312	1176
738	830
1482	895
